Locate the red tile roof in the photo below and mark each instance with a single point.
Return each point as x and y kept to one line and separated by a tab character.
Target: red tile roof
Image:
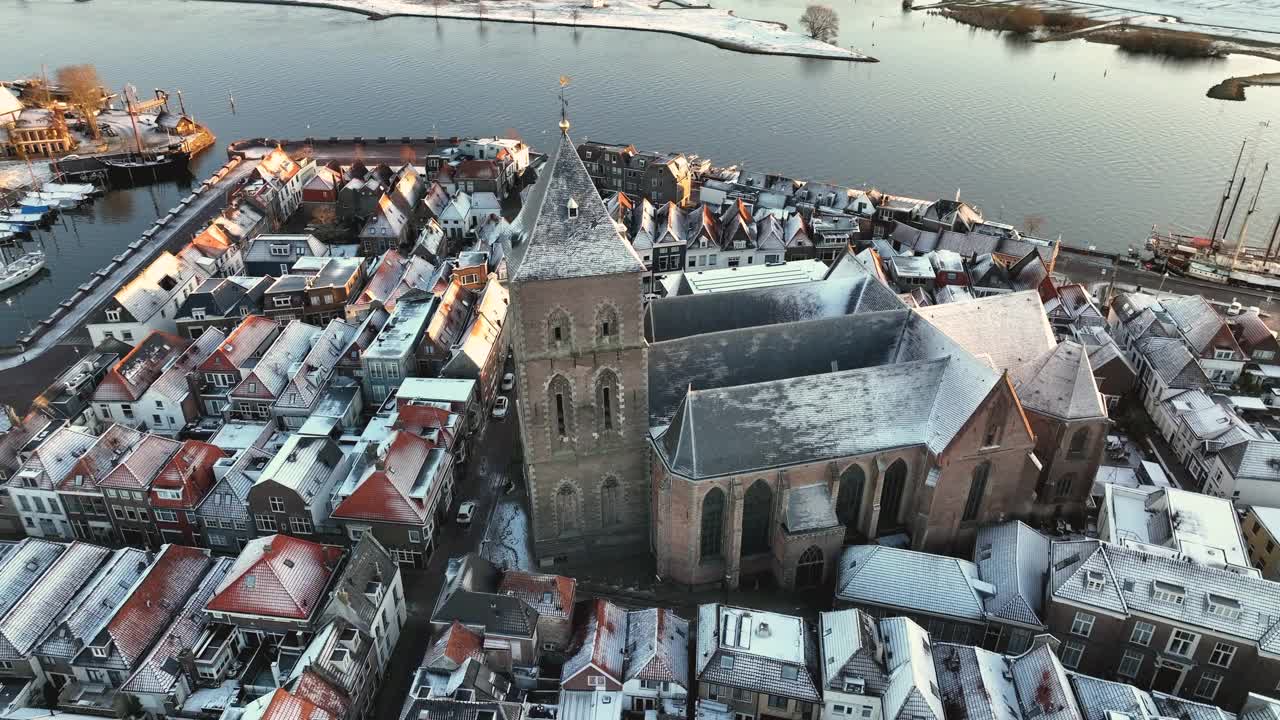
142	617
134	373
189	470
456	645
551	595
384	494
212	240
285	705
277	576
320	692
249	335
100	459
478	169
141	466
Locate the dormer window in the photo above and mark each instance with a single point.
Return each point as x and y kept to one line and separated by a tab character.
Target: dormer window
113	316
100	651
1226	607
572	207
1168	592
1095	581
197	313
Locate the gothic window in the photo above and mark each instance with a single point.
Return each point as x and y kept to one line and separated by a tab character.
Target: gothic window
995	425
757	510
809	569
1078	442
977	488
712	524
607	325
567	509
607	402
559	330
610	502
560	401
895	484
849	501
1062	488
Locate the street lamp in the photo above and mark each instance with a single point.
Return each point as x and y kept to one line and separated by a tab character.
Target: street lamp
1163	277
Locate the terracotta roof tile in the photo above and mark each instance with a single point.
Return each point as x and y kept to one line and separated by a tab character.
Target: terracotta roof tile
134	373
189	470
156	600
277	576
141	466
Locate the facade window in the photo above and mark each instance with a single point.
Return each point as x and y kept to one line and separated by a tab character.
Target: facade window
128	411
1130	664
995	425
558	329
301	526
266	523
610	492
1079	440
606	324
567	509
166	516
849	500
1062	488
562	405
757	513
277	504
113	316
779	702
712	527
415	536
1168	592
1082	625
1222	655
1182	643
1207	687
1072	653
977	488
606	400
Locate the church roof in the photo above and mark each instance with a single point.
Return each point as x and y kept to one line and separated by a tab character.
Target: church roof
1060	383
569	233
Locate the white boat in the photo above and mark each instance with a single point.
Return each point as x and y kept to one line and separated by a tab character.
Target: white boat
15	228
28	218
60	203
21	270
81	188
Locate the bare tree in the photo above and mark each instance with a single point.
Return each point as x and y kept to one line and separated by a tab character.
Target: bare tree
533	14
575	15
821	22
480	11
436	5
84	93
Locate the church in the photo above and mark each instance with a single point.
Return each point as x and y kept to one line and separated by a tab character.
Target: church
753	433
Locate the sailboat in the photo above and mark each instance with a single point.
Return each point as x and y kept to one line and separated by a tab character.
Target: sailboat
21	270
143	160
1207	257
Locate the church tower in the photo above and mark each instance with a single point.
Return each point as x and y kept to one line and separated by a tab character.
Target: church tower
581	368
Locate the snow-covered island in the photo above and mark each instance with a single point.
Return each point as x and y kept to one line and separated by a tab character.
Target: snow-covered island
704	23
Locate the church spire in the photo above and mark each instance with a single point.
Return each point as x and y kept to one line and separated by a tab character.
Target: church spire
564	106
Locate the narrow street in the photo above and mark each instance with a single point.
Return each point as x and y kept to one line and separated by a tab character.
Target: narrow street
481	482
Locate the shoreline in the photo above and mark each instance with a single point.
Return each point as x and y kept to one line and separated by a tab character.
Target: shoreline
452	12
1233	88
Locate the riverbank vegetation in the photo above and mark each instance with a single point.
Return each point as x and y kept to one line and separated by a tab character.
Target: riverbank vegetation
1018	19
1154	42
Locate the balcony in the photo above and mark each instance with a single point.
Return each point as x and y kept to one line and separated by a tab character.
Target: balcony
88	698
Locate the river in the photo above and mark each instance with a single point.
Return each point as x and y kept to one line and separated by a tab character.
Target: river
1092	143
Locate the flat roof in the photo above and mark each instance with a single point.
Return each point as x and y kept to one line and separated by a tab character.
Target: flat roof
1203	528
403	329
443	389
238	435
745	277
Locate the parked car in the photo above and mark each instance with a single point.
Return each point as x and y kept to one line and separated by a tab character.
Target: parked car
500	408
465	512
508	381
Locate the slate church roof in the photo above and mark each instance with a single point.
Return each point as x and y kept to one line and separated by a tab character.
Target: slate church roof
559	246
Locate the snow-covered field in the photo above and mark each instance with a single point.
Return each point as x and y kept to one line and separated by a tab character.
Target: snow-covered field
508	542
717	27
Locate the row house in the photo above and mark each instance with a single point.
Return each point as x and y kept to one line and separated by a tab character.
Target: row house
221	304
120	395
253	396
149	302
878	668
276	185
320	195
512	155
127	487
1200	527
509	625
1137	317
315	295
1259	346
387	228
82	498
302	394
657	177
757	663
172	401
179	489
292	493
369	595
275	255
481	353
635	661
454	670
397	350
232	361
241	221
223	516
1163	620
33	488
124	636
70	396
216	252
394	275
397	490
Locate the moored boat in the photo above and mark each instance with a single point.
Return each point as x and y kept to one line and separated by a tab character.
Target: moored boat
21	270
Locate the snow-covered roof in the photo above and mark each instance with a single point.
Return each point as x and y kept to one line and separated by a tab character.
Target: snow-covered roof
1200	527
558	246
277	576
891	577
1005	331
1013	557
601	642
1060	383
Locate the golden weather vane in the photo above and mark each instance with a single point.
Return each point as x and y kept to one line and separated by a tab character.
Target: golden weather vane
564	105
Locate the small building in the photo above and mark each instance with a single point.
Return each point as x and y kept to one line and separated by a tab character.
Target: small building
147	303
292	493
274	255
179	489
1262	533
222	304
758	663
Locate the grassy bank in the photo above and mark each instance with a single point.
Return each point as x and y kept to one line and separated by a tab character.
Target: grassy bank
1146	41
1017	19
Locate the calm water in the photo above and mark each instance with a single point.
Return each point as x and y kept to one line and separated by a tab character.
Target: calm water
1021	130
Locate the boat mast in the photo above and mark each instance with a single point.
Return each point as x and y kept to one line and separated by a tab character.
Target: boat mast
133	117
1274	230
1226	227
1253	205
1226	195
